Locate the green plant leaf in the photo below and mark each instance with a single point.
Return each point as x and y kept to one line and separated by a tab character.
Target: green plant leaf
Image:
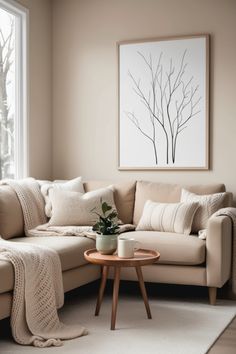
112	215
105	207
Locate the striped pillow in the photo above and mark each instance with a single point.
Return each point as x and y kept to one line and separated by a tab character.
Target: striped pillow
208	205
168	217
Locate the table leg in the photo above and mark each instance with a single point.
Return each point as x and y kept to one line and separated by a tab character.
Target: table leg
115	297
143	290
105	270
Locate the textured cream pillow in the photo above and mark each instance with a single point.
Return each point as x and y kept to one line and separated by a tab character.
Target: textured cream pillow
208	205
75	185
167	217
73	208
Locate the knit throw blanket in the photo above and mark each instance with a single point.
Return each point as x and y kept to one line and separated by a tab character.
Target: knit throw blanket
38	293
31	201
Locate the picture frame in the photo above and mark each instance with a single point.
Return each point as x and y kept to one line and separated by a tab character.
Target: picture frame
163	103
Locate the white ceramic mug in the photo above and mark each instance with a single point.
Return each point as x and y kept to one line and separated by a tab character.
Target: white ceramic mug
126	247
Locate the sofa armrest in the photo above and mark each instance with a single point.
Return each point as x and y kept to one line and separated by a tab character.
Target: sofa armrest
218	251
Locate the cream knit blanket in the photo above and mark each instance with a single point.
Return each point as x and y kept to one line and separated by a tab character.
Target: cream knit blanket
38	292
31	201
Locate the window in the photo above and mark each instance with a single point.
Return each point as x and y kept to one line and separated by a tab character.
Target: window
13	90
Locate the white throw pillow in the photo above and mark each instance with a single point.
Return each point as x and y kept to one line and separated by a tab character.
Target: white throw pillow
208	205
167	217
75	209
75	185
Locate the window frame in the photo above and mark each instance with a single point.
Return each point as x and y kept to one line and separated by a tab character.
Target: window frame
21	151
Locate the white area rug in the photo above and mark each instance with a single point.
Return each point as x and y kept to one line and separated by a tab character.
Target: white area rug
177	327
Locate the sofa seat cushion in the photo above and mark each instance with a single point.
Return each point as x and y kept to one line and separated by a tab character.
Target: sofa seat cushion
174	248
70	249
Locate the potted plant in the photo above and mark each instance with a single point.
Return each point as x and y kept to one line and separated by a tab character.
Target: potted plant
107	229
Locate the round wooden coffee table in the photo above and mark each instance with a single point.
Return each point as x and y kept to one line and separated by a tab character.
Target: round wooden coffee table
142	257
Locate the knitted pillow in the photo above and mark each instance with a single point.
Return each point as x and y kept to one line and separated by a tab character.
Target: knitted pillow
75	209
208	205
75	185
167	217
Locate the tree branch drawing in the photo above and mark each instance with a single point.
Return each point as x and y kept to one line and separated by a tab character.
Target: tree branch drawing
170	101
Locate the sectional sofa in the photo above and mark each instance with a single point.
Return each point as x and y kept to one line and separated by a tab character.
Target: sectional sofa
185	259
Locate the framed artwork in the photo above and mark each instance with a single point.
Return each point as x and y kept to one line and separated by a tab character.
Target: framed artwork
163	103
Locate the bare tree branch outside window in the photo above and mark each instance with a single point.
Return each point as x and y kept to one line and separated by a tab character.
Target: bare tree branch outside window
171	102
7	46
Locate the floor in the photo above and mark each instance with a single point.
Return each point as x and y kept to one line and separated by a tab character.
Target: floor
226	343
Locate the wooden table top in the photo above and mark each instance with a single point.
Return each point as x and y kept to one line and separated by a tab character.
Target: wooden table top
141	257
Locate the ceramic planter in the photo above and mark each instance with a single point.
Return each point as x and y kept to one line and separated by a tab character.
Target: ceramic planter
106	244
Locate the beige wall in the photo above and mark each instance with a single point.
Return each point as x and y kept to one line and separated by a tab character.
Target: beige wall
40	84
85	81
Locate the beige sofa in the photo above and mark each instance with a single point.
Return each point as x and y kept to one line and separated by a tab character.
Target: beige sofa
184	259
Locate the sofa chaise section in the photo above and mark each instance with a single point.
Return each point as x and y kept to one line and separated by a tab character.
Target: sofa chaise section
75	269
175	249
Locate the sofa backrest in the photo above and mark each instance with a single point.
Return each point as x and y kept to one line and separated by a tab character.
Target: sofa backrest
11	216
129	196
124	193
170	193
